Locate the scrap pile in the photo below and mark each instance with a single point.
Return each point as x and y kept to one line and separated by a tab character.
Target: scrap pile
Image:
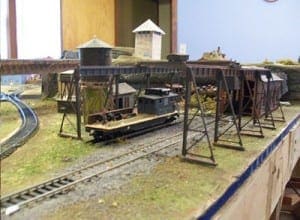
207	98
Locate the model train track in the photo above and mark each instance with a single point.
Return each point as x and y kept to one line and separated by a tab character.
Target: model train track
143	131
28	127
64	183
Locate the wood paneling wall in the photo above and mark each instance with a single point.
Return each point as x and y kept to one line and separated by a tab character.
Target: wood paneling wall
130	14
174	14
164	12
82	19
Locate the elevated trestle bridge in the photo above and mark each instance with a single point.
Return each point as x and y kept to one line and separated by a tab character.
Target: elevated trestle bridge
238	90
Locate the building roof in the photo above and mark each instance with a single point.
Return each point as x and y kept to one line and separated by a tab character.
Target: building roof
148	26
156	97
95	43
255	67
124	88
274	78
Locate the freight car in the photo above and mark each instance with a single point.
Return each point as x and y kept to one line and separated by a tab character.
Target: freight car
266	89
157	106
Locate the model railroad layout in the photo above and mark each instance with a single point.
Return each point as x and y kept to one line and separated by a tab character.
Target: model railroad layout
245	96
28	127
242	92
62	184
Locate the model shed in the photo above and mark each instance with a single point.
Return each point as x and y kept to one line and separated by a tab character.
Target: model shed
125	96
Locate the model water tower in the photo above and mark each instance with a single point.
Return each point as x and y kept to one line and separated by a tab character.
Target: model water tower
148	40
95	53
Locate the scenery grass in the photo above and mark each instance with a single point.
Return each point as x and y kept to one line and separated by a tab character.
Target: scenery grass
9	119
44	154
174	189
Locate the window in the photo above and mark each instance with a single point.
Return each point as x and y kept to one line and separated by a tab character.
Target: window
38	28
4	29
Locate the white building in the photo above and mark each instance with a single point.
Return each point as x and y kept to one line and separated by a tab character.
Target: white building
148	40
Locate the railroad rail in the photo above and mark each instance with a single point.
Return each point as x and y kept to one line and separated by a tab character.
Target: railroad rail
136	133
64	183
230	78
28	127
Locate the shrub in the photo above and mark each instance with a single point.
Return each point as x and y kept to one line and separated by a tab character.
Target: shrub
286	62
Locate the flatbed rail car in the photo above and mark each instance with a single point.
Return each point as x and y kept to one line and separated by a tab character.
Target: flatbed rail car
156	107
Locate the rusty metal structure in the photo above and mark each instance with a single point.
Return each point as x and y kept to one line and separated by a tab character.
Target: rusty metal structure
245	95
67	105
233	83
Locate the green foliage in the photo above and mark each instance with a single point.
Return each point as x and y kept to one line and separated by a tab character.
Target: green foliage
286	62
9	119
209	103
213	55
94	100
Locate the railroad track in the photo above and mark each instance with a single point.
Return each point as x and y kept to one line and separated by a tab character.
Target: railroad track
65	183
28	127
134	134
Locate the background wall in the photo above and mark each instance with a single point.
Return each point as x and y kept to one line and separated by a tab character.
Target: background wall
164	13
131	14
246	30
81	20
